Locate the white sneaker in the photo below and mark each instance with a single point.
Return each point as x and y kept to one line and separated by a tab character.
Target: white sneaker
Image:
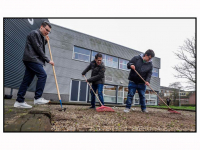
40	101
145	111
22	105
126	110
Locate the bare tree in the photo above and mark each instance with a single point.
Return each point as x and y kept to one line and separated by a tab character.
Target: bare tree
175	88
187	68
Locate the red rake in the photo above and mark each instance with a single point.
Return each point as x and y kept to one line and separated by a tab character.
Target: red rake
102	108
169	109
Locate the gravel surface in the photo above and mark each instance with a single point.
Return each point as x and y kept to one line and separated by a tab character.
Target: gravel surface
80	118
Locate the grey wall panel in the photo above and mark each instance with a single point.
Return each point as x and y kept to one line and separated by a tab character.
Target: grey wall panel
155	83
100	45
59	52
60	80
15	33
156	62
63	45
51	88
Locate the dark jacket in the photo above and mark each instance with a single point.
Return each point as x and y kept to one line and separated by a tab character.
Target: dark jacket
168	99
143	68
35	48
97	75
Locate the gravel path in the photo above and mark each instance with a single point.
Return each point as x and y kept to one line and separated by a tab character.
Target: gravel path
80	118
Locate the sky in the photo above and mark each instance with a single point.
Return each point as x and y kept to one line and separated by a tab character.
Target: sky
164	36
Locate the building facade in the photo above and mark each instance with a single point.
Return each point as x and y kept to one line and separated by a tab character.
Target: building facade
186	97
72	52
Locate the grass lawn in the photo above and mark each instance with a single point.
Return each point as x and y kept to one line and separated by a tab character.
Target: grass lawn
176	107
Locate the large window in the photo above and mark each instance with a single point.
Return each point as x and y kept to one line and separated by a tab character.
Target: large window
110	93
81	54
120	95
109	61
78	91
155	72
93	56
123	64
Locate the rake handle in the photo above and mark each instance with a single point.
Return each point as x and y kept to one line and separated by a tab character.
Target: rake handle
152	89
93	91
54	71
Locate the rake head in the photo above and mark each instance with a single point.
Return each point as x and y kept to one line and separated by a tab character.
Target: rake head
104	108
173	111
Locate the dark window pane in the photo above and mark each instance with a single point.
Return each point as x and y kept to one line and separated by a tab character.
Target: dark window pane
83	89
74	90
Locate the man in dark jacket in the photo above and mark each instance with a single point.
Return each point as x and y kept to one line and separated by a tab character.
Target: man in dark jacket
168	101
34	58
97	78
143	65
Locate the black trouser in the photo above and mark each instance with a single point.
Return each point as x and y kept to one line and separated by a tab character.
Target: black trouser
32	69
168	103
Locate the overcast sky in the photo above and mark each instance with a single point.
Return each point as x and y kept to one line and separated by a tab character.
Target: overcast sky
164	36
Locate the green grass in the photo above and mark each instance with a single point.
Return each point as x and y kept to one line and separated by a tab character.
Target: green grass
176	107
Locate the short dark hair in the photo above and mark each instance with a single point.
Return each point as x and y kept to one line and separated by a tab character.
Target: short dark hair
44	23
150	52
98	55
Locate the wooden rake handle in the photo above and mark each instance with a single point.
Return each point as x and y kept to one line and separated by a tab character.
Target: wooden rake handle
93	90
54	71
152	89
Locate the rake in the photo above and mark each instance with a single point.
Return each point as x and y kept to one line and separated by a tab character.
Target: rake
102	108
169	109
56	79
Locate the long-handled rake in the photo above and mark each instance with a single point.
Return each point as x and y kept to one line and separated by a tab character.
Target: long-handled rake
102	108
55	79
169	109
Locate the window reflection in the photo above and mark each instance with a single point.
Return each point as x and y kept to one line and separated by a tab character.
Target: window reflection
155	72
81	54
110	93
109	61
123	64
120	94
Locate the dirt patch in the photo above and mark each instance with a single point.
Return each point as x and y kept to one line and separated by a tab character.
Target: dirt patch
80	118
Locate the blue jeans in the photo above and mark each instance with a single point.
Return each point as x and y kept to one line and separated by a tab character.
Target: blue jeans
98	87
141	88
32	69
